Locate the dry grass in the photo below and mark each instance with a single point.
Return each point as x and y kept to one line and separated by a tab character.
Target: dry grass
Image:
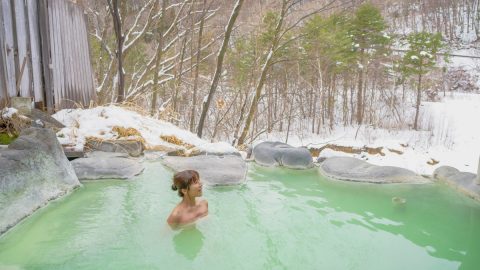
126	132
348	149
14	125
96	140
160	148
432	162
174	140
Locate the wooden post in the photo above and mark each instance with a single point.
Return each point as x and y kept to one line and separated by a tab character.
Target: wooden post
20	76
47	66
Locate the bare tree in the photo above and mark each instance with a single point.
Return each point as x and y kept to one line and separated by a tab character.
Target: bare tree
218	70
158	56
197	67
280	31
117	25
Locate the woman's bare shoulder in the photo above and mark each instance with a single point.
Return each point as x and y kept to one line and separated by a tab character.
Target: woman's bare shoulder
174	216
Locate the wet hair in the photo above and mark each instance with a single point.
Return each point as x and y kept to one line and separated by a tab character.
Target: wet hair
183	180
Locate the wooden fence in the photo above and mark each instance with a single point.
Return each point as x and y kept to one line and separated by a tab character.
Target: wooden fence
44	53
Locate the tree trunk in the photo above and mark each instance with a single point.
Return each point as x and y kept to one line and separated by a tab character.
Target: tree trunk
419	98
263	76
117	25
240	119
158	56
345	102
197	64
218	70
178	80
331	102
289	119
360	98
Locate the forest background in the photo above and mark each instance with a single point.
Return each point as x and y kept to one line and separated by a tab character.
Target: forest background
285	66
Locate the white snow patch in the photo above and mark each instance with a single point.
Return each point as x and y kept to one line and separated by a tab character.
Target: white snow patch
98	122
8	112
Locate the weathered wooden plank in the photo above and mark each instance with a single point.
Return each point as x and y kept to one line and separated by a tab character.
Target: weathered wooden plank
3	80
44	34
29	51
71	45
21	43
78	63
81	48
8	47
77	82
60	70
57	53
52	35
63	38
90	86
52	52
34	30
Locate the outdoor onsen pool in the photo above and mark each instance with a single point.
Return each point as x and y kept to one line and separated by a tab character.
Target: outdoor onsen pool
279	219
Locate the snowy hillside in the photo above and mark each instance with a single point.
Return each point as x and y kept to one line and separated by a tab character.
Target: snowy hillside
451	136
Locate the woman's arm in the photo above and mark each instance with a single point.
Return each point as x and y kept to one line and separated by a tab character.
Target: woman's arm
173	220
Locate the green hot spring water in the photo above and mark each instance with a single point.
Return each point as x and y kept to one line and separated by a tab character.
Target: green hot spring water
279	219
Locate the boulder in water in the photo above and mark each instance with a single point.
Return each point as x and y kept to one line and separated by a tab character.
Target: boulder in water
33	171
105	165
465	182
282	154
213	170
352	169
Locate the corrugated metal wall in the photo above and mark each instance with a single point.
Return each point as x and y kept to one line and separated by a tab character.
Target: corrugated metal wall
49	38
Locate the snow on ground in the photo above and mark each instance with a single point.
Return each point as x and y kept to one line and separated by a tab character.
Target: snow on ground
450	135
464	62
98	122
8	112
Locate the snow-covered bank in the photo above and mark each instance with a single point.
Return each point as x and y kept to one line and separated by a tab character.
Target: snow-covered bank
99	123
450	135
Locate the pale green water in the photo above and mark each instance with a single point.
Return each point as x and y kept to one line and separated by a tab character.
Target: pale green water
280	219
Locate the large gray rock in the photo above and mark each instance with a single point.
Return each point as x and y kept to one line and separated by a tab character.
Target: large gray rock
282	154
132	147
462	181
104	165
47	120
352	169
213	170
33	171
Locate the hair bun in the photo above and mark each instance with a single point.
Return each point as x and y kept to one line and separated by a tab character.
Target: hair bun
174	188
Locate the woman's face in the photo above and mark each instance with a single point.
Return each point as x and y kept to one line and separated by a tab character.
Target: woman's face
195	189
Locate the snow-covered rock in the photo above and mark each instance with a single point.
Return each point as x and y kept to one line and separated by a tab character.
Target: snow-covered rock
282	154
352	169
213	170
100	122
462	181
478	172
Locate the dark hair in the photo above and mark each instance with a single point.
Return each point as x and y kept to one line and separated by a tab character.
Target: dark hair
183	180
